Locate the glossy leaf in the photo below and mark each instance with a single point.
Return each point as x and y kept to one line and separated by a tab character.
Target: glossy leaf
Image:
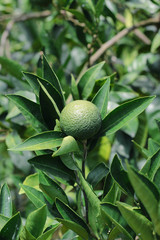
120	176
68	214
152	165
35	196
74	88
101	98
32	80
97	174
51	188
139	223
5	201
87	81
75	227
51	98
26	235
41	141
30	110
12	228
112	194
99	7
32	181
148	195
48	234
124	113
36	221
3	221
69	144
115	216
53	166
50	75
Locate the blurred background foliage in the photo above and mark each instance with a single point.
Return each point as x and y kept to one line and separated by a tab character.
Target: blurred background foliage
71	34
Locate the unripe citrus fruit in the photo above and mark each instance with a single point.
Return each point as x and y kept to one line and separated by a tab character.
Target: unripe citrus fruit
80	119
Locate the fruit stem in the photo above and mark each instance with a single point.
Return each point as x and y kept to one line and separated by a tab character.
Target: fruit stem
83	173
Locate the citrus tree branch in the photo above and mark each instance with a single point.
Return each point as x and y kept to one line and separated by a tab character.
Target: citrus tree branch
121	34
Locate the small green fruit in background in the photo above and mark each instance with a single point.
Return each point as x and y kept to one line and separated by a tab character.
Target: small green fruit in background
80	119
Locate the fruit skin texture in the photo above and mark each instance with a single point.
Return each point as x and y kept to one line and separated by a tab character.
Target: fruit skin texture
80	119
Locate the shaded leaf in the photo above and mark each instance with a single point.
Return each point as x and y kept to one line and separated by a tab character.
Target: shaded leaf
53	166
51	98
51	188
50	75
120	176
68	214
74	88
97	174
3	221
115	216
32	80
12	228
30	110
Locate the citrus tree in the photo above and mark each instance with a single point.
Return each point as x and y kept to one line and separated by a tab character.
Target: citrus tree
79	124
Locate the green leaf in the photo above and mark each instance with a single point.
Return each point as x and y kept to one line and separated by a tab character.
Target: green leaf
69	144
115	216
120	176
11	67
35	196
124	113
94	210
88	5
5	201
53	166
74	88
36	220
75	227
12	228
151	166
26	235
30	110
32	181
48	234
99	7
52	78
97	174
32	80
139	223
3	221
51	98
51	188
148	195
101	98
112	194
68	214
41	141
87	81
155	42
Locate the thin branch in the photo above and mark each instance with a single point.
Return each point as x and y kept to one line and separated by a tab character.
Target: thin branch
121	34
19	18
137	32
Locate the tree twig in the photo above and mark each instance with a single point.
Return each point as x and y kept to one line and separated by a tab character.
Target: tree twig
121	34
